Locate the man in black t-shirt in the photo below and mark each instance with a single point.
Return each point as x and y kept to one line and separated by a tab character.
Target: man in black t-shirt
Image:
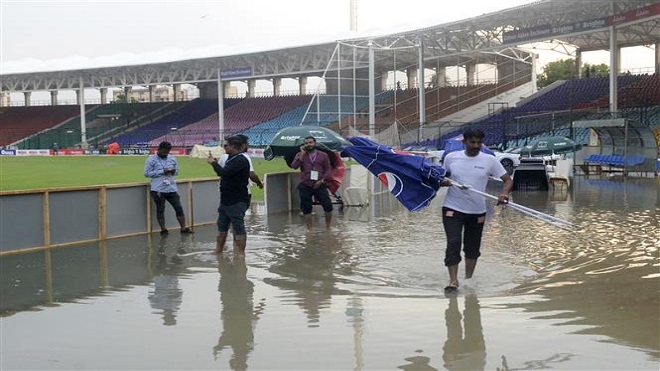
234	198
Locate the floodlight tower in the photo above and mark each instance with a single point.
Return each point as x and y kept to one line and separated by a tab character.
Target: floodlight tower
353	15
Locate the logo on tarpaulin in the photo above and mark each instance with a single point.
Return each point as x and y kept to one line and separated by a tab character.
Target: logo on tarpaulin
392	182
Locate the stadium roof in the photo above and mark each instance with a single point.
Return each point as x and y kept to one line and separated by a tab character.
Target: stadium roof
583	24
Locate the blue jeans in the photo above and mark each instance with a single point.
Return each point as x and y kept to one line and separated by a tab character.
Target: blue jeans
462	228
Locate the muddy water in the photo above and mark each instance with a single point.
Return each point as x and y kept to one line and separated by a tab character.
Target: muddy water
365	295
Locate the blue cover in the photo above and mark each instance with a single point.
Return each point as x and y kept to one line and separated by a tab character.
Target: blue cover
413	180
456	144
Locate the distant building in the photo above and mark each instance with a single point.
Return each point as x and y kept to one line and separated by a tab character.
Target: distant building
5	99
231	92
161	93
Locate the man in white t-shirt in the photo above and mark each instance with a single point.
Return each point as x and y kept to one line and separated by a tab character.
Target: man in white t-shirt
464	212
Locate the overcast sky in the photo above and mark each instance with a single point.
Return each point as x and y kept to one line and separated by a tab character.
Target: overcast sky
92	33
48	35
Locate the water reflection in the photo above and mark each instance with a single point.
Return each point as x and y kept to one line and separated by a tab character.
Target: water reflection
548	298
165	294
465	348
239	315
308	270
542	364
606	272
418	363
355	316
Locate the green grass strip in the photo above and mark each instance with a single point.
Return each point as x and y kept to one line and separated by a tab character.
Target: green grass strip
34	172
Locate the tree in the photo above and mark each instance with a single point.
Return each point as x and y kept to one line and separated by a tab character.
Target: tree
595	70
565	70
554	71
434	82
121	98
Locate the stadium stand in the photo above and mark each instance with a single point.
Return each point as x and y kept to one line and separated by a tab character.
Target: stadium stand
202	131
191	112
17	123
323	113
239	116
551	111
544	114
642	90
262	134
439	102
100	120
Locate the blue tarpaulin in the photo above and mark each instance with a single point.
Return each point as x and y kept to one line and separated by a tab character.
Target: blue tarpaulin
413	180
456	144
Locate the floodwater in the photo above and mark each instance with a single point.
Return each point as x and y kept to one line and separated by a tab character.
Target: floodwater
365	295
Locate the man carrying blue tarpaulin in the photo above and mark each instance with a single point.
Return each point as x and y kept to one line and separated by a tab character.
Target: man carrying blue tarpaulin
415	180
463	212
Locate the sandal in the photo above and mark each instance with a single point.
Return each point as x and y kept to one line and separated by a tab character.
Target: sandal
451	289
186	230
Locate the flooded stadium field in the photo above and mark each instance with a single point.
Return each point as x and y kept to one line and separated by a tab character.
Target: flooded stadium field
367	294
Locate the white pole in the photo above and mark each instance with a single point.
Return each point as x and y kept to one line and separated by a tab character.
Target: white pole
221	111
534	77
372	97
396	86
614	72
421	92
353	14
523	209
372	119
339	86
354	89
83	125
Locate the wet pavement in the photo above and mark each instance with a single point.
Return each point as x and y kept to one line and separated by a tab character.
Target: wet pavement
366	294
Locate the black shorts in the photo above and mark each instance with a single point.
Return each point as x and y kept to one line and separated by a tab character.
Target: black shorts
462	228
234	215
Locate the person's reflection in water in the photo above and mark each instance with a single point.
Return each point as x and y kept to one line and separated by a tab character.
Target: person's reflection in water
165	294
309	270
419	363
464	351
239	316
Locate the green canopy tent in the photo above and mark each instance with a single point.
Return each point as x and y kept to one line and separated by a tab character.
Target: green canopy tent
550	146
287	141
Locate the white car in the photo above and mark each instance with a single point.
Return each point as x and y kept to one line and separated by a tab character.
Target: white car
508	160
